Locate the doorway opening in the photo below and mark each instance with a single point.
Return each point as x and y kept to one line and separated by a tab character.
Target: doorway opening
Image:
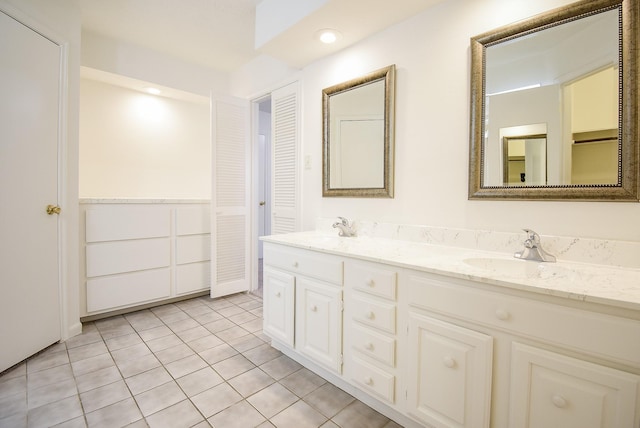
262	173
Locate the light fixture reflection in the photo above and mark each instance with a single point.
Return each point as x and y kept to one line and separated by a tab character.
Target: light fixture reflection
152	91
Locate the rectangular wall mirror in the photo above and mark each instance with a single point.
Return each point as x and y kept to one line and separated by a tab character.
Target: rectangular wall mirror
358	140
554	105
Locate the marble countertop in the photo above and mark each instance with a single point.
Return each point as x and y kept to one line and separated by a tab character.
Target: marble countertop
613	286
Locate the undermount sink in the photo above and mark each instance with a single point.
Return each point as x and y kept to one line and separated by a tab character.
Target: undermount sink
515	267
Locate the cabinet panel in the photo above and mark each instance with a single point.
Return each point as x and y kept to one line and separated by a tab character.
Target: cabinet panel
543	321
321	266
371	278
106	258
124	290
373	345
113	223
550	390
450	367
278	309
193	277
374	313
373	380
319	322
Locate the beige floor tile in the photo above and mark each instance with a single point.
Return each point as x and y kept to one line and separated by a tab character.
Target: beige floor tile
299	415
182	414
159	398
280	367
116	415
199	381
328	399
216	399
302	382
251	382
233	366
184	366
148	380
240	415
104	396
272	400
359	415
55	413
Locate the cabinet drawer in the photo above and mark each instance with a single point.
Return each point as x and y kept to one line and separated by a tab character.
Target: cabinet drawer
598	334
373	380
322	266
371	278
374	313
374	345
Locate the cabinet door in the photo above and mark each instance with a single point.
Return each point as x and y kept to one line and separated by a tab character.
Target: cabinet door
449	382
550	390
319	322
278	305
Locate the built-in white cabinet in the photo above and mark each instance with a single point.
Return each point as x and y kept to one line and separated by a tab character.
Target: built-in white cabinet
431	350
551	390
141	253
450	373
303	303
371	328
278	305
318	329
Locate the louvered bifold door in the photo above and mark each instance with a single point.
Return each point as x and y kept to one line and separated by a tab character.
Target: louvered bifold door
285	125
230	196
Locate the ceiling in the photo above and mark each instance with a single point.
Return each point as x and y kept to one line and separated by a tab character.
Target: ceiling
219	34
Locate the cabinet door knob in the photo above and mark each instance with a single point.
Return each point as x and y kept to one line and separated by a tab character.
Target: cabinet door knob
295	264
370	315
368	380
449	362
559	401
502	315
370	282
278	294
314	308
369	346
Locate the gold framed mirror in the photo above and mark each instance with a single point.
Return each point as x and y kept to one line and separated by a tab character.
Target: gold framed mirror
358	136
569	77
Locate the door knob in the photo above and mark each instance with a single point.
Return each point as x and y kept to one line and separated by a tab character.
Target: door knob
53	209
262	203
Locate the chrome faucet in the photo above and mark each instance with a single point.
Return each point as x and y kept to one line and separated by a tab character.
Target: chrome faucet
345	227
533	249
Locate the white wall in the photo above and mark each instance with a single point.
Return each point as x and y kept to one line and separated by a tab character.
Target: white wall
62	18
136	145
117	57
431	52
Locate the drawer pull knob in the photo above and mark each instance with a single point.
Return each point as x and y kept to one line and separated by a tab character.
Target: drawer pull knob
369	346
449	362
559	401
370	315
314	308
295	264
371	282
278	294
368	380
502	315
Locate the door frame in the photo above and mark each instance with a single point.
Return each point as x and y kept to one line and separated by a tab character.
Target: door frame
68	327
254	100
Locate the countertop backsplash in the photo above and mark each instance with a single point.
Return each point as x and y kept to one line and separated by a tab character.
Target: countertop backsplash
624	254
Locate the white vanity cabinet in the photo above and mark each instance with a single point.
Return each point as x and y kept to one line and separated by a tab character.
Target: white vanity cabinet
432	350
371	324
548	377
303	303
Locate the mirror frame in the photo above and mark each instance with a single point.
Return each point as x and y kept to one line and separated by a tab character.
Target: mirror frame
388	75
627	187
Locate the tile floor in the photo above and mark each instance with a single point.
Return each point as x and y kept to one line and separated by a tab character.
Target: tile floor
197	363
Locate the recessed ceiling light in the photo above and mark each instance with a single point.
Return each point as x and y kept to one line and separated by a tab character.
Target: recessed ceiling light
328	35
153	91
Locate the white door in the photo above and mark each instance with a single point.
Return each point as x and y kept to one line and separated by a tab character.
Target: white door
230	228
285	129
29	120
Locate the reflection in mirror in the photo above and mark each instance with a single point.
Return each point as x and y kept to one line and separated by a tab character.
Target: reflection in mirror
549	116
358	136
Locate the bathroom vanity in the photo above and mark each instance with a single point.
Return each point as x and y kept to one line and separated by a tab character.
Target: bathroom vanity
444	336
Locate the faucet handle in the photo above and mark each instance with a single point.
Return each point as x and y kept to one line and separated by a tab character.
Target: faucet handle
532	237
344	221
